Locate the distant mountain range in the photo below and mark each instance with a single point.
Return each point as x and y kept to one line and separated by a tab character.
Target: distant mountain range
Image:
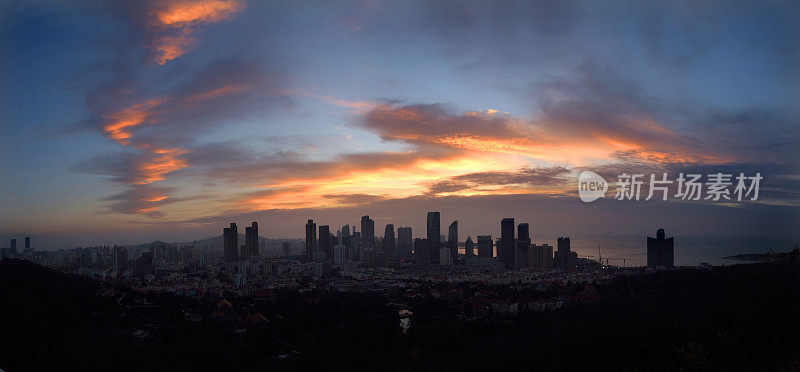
214	241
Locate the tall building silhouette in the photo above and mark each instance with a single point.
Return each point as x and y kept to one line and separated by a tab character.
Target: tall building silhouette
285	249
422	252
469	247
230	243
433	237
452	240
251	240
120	258
325	243
523	231
388	241
14	246
540	256
485	246
355	241
144	265
564	258
27	243
507	241
346	237
311	240
660	250
404	242
521	255
367	232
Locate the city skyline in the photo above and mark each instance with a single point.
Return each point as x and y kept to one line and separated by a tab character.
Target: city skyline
166	119
399	184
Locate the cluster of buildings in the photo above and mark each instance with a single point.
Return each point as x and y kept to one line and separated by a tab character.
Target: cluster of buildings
12	249
514	247
350	252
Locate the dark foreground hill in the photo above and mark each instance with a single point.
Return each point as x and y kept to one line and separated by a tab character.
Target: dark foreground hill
739	317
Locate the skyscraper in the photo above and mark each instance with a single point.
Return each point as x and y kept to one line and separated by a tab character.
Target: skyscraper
367	232
27	243
311	240
452	240
523	245
433	240
540	256
507	241
325	244
485	246
523	231
14	246
661	250
346	238
564	258
251	240
469	248
422	252
285	249
120	258
230	243
404	242
388	241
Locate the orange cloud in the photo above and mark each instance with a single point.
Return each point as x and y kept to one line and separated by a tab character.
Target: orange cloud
182	13
156	168
174	24
120	123
214	93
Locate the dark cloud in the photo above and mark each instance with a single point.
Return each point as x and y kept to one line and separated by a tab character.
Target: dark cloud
432	122
355	199
228	162
531	177
144	199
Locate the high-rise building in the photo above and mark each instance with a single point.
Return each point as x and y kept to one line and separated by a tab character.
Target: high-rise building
523	231
325	243
485	246
422	252
120	258
338	254
521	254
285	249
564	258
367	232
230	243
144	265
346	238
355	241
27	243
540	256
469	248
389	245
452	241
660	250
311	240
444	257
404	242
251	240
13	246
434	237
507	252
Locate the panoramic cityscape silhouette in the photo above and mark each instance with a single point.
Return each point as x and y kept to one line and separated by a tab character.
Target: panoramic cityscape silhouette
399	185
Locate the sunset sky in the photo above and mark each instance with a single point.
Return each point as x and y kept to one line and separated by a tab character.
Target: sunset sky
125	122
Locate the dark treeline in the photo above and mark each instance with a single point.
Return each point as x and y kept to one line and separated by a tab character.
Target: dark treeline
742	316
